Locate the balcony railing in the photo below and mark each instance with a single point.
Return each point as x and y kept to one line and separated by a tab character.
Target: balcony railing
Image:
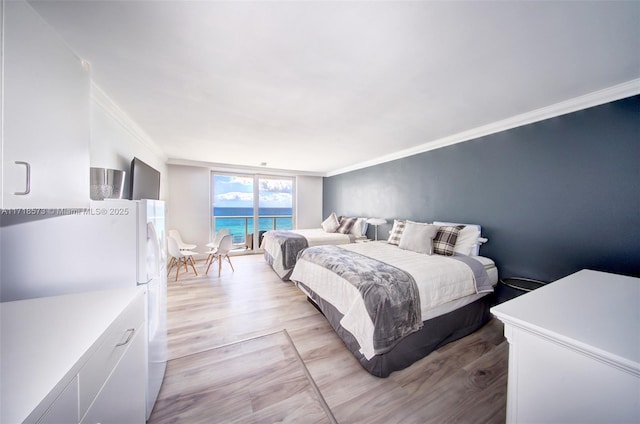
241	227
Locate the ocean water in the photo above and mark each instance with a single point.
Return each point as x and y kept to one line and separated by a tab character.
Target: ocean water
240	220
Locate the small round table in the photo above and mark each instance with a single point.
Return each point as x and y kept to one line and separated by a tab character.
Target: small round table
522	284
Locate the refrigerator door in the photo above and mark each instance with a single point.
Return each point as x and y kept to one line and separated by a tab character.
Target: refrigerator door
157	331
152	263
152	251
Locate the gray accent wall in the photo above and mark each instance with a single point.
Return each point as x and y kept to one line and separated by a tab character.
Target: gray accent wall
553	197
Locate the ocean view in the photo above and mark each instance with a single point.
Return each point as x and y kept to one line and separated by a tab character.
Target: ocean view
235	220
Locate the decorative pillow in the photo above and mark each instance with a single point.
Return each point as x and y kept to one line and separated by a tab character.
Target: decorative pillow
468	242
418	237
396	231
359	229
331	224
445	240
346	224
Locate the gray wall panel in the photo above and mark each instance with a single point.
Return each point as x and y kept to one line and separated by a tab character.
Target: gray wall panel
553	197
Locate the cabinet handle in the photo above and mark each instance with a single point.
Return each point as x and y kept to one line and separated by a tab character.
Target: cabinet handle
27	189
131	332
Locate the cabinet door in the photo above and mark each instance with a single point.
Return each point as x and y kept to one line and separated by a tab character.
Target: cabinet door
46	116
122	398
65	407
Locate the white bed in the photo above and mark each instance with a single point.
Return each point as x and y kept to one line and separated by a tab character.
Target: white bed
453	299
281	249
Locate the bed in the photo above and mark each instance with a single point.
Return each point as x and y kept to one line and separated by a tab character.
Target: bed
281	247
392	305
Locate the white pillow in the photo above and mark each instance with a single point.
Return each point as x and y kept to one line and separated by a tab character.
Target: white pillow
418	237
359	229
468	238
331	224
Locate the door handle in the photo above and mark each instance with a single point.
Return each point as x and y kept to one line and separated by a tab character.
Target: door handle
27	188
130	332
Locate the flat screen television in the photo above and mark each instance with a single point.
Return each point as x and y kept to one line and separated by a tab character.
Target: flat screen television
145	181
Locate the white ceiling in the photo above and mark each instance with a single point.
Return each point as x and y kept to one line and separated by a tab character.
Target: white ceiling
322	86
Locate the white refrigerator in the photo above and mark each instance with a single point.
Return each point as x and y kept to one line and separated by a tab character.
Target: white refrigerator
112	244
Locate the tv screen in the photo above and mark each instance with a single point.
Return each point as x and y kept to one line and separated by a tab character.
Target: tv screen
145	181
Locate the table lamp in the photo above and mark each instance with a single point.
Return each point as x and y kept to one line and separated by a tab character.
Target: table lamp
375	222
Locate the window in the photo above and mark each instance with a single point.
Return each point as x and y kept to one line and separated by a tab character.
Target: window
241	200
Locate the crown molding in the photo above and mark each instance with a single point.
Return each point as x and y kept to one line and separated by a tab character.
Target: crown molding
109	106
227	167
617	92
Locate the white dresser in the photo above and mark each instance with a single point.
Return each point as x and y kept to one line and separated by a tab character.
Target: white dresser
574	351
78	358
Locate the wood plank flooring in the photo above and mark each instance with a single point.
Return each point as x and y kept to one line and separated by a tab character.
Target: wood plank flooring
463	382
262	379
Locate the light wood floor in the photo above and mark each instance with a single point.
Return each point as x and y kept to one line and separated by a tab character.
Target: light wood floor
463	382
259	380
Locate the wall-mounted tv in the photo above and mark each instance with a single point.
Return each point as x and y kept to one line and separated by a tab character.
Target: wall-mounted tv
145	181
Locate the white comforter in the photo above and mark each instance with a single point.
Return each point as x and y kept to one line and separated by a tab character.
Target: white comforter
440	279
314	236
318	236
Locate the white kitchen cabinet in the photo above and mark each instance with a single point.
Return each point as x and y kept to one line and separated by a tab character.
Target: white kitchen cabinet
110	406
65	408
74	358
46	115
574	351
112	382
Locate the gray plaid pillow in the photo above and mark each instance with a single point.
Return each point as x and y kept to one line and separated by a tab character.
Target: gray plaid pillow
445	240
396	232
345	225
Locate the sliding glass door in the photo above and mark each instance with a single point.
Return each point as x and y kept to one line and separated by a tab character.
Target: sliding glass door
239	201
275	204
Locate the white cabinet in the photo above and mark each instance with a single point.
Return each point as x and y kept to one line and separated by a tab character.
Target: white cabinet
46	115
112	382
65	408
574	351
74	358
110	406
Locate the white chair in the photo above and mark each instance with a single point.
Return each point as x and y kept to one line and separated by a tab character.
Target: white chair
222	252
182	245
179	257
215	243
216	240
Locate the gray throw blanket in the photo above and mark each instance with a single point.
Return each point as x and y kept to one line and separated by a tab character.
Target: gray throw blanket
389	293
291	244
480	276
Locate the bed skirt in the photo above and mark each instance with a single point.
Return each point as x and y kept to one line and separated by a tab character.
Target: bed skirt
435	333
277	267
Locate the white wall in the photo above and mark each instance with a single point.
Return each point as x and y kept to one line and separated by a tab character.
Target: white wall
116	139
189	210
308	202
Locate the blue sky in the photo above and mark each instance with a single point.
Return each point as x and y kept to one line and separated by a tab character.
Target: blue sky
237	192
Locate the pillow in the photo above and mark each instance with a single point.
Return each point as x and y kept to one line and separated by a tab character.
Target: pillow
418	237
331	224
468	242
396	232
445	240
359	229
345	225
